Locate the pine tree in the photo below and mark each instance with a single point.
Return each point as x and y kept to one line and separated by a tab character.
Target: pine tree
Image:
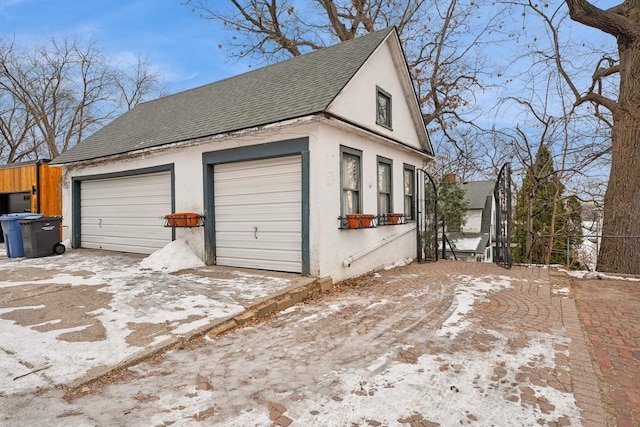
545	220
452	205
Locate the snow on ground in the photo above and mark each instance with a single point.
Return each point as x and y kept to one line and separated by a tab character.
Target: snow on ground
137	297
399	263
462	387
336	363
469	291
333	363
583	274
467	243
176	256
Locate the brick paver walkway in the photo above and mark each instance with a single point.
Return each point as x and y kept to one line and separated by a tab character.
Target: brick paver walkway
610	313
519	349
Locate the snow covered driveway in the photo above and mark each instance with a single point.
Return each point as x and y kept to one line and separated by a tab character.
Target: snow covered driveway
67	317
436	344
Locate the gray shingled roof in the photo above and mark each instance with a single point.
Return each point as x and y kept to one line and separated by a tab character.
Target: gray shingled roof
476	192
294	88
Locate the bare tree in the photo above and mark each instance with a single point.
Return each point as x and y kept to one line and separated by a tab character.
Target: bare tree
612	94
442	39
16	131
620	249
56	93
555	66
59	84
135	82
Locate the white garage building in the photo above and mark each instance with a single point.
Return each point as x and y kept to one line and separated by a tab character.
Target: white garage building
272	161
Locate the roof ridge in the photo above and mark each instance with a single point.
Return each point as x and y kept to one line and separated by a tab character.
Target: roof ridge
284	62
297	87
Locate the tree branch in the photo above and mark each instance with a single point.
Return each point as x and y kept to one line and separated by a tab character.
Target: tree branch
612	21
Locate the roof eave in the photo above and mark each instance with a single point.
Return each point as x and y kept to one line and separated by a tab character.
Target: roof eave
201	140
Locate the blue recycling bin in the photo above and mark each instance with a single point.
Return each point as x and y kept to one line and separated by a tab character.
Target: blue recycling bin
13	232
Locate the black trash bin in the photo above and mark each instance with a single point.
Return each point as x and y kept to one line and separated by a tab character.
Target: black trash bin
41	236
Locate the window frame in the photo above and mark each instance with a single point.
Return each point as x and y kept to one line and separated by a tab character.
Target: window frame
389	194
350	152
381	93
410	215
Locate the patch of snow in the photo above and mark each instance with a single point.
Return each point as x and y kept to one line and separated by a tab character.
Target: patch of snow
176	256
399	263
26	307
467	243
135	297
583	274
468	292
465	391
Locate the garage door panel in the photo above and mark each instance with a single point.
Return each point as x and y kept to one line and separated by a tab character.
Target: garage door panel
266	255
258	214
126	213
247	228
270	241
267	167
124	228
292	267
124	191
287	214
253	198
134	218
138	246
112	203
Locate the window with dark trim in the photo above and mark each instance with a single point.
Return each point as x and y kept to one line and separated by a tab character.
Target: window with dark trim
383	108
409	191
351	179
385	186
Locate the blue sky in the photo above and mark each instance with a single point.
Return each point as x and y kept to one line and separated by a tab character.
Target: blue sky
181	45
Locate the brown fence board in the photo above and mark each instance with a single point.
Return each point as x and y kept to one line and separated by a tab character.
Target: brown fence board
21	179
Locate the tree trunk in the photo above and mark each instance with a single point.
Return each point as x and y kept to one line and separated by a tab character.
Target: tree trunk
529	237
620	249
552	226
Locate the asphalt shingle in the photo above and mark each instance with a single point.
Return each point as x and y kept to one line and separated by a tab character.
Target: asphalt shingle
293	88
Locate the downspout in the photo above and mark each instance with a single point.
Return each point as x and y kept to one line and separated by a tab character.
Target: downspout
348	261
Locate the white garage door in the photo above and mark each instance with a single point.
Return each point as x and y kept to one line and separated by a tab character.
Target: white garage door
258	212
125	213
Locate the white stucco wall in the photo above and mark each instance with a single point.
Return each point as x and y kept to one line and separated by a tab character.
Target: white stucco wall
357	101
474	221
330	246
188	172
335	252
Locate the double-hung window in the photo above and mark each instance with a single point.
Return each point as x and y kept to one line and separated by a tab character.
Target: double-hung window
351	177
385	185
409	191
383	108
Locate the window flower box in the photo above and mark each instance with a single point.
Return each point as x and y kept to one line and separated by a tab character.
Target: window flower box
396	218
359	220
184	219
392	219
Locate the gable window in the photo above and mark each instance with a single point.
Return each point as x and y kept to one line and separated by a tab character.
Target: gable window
385	205
409	191
383	108
351	178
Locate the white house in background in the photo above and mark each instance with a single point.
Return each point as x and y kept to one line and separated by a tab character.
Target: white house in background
587	253
273	160
475	241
